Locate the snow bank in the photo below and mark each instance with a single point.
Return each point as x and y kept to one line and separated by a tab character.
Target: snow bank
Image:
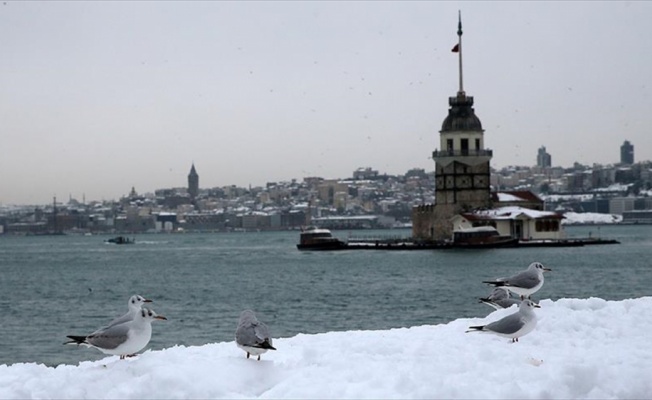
590	218
581	348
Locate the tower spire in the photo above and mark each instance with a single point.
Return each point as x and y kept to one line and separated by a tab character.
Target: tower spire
459	51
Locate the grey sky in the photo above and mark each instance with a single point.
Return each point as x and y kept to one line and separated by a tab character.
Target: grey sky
97	97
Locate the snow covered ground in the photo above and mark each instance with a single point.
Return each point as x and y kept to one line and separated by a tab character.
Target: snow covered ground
581	348
590	218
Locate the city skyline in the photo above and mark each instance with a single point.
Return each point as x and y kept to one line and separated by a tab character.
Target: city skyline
100	97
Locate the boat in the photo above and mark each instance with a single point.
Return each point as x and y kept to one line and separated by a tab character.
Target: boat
481	237
121	240
314	238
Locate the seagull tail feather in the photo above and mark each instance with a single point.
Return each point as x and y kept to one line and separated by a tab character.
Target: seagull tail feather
496	283
267	345
76	339
475	328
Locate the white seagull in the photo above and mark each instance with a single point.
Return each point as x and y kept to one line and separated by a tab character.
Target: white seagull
135	304
514	325
525	283
499	298
124	339
252	336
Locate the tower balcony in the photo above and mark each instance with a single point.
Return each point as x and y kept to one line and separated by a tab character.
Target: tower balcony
466	156
462	153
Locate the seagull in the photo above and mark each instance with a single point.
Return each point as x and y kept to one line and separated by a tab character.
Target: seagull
252	336
499	298
514	325
524	283
124	339
135	304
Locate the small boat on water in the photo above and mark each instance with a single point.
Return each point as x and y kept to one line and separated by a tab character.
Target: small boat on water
314	238
121	240
481	237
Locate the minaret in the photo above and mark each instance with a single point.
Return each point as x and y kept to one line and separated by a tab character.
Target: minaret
462	172
193	183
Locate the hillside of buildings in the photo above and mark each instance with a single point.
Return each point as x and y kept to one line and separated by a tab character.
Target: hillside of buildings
368	199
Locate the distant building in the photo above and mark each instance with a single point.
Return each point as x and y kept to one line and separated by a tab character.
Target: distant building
364	173
637	217
543	158
619	205
416	173
627	153
193	183
327	190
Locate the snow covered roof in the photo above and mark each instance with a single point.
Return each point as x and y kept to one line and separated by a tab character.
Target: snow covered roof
512	212
507	197
516	195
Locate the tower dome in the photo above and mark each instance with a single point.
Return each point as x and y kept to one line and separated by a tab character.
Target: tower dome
461	115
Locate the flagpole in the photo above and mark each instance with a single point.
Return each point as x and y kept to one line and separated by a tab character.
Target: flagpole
459	44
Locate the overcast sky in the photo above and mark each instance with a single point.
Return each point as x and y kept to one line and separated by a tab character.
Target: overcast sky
97	97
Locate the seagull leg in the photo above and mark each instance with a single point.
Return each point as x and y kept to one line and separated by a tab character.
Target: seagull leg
258	357
247	354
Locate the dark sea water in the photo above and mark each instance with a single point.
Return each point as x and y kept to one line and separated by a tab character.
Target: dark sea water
53	286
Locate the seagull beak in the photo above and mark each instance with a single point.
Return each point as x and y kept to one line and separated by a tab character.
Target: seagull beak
161	318
148	301
547	269
537	306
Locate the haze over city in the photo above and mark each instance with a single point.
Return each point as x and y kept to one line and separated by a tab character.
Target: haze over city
97	97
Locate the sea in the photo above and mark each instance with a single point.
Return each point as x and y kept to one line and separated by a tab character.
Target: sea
53	286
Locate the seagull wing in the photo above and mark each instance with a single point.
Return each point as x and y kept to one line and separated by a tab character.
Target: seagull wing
109	338
507	326
525	280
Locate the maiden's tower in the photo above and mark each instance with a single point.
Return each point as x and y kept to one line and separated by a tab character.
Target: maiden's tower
462	171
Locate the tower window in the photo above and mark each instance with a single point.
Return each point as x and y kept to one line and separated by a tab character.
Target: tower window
465	147
449	146
477	144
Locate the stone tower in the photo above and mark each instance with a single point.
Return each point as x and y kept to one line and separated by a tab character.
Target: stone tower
193	183
462	172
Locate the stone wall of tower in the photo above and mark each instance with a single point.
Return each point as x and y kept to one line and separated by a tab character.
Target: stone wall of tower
433	221
468	186
459	188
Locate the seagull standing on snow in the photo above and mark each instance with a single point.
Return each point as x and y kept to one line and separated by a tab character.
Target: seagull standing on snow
252	336
524	283
514	325
499	298
135	304
124	339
